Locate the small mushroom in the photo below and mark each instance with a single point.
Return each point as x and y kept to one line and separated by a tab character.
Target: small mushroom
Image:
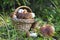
32	34
33	15
20	15
25	11
20	11
27	16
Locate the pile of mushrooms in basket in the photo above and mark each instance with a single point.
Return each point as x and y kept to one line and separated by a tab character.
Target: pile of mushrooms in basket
23	14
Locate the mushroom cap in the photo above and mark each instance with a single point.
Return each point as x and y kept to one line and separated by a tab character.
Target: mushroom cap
47	30
20	11
33	15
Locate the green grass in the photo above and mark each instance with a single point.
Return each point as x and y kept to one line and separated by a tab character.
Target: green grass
8	32
46	11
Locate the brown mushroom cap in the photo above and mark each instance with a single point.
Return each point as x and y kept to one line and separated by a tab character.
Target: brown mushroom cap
47	30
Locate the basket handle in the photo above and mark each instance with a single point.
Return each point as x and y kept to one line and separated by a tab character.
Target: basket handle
25	7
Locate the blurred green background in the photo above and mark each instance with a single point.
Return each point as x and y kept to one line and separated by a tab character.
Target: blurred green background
47	11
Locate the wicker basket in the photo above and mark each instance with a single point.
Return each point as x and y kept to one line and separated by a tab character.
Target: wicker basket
22	24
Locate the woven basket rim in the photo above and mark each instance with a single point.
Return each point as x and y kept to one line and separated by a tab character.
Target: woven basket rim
23	7
24	20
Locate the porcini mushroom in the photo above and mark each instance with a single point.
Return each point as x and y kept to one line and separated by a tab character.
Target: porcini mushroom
47	30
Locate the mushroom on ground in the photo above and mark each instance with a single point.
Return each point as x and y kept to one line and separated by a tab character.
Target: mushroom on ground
47	30
32	34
